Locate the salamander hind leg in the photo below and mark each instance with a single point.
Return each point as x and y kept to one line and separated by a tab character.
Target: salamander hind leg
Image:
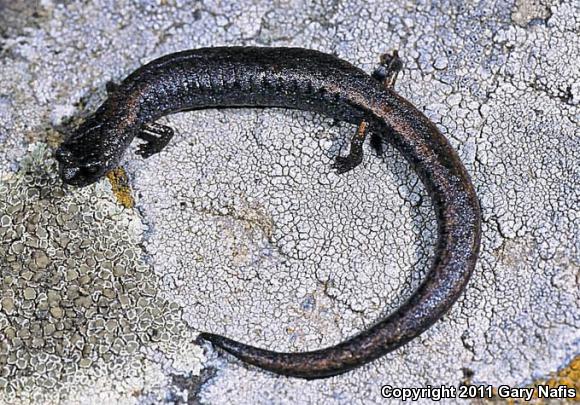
378	139
377	143
389	67
156	137
343	164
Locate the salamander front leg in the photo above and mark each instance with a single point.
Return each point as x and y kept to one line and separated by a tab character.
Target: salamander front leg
111	87
343	164
156	137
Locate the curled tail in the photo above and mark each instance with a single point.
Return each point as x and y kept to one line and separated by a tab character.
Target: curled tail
459	229
459	233
443	285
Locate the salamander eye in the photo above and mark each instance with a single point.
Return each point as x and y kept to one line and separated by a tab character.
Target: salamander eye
91	168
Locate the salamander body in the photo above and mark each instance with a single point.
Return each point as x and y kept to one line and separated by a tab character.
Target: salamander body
302	79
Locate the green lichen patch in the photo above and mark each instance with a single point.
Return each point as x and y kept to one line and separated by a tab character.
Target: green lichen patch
79	313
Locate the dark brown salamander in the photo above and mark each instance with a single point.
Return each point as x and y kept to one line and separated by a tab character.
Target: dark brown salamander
306	80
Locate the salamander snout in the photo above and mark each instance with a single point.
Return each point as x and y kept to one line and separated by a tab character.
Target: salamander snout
77	172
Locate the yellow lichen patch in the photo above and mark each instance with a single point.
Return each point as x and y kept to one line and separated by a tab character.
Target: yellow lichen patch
557	386
121	189
568	376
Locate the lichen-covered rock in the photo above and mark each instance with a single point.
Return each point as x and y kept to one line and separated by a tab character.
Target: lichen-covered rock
248	231
79	306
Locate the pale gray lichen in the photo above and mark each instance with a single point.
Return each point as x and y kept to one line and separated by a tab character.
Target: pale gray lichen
251	234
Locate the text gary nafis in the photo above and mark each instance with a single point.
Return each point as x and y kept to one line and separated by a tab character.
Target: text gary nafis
478	391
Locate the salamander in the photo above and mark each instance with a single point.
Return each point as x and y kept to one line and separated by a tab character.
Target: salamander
297	78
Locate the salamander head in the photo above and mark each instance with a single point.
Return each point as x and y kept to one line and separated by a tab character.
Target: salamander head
86	156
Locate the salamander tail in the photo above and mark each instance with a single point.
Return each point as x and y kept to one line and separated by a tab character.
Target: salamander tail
309	365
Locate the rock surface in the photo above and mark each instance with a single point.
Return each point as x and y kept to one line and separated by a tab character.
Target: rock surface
241	228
